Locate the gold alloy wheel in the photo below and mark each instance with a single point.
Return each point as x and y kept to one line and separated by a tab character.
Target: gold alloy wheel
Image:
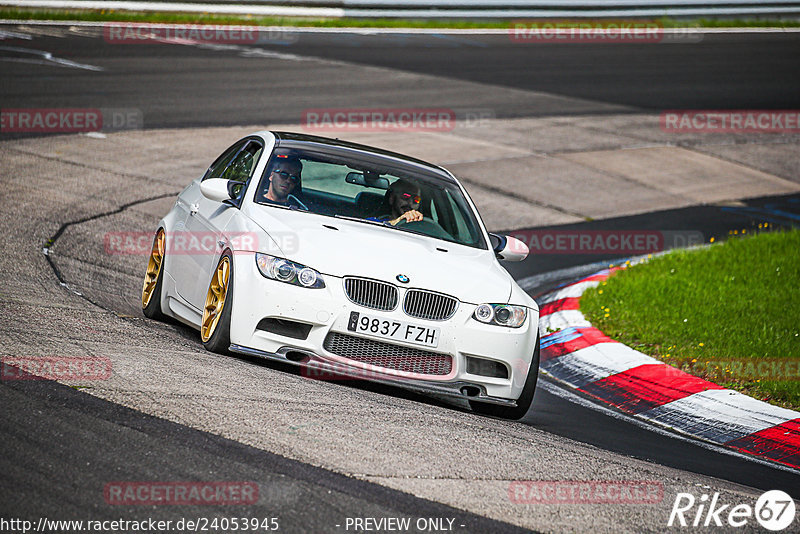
215	298
153	268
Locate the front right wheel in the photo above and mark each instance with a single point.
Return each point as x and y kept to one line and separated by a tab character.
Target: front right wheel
154	279
525	398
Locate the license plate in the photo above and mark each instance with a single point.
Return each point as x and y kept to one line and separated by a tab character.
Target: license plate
393	329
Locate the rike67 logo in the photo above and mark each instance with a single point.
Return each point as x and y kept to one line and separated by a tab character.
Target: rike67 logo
774	510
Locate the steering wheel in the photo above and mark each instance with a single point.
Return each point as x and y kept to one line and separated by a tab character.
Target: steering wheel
292	198
427	227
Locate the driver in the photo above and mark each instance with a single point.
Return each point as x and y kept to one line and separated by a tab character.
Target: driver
284	178
401	203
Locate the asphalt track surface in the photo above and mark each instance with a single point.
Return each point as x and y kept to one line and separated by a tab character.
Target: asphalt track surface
40	480
184	86
57	442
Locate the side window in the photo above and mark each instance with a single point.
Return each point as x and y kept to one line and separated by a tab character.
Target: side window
244	163
218	167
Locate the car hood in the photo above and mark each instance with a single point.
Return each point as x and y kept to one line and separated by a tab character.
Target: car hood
339	247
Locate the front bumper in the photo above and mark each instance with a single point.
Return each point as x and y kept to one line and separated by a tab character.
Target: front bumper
328	310
324	369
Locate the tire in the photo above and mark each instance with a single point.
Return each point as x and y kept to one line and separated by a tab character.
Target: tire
215	326
151	293
524	401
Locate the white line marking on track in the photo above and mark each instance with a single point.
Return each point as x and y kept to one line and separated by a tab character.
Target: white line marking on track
45	31
45	58
266	10
371	31
5	34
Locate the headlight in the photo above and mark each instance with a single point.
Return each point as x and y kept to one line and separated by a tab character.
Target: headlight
501	314
288	271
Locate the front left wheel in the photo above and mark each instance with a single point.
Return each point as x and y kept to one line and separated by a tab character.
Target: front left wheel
154	279
215	326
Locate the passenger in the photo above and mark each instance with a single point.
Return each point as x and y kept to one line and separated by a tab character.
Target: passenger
400	203
284	179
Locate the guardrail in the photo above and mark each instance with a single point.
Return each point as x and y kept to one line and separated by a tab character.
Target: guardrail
461	9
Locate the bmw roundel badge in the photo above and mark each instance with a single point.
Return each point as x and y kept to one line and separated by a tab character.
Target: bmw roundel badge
402	278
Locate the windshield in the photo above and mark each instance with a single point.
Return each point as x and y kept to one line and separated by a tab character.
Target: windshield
369	189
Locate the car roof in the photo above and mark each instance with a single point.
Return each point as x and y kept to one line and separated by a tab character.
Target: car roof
305	138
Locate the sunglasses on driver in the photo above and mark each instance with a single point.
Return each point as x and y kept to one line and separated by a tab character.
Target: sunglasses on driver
414	198
286	176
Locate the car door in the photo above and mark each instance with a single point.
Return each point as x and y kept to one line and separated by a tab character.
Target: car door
202	239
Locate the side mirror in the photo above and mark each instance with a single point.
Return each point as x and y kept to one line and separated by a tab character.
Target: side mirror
508	248
215	189
235	189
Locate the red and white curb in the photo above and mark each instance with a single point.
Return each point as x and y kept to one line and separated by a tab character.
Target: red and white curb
577	354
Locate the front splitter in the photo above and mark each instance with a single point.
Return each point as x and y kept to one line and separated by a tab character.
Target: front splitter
320	365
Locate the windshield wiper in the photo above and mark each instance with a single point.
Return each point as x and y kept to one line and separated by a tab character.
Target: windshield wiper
359	219
275	205
290	207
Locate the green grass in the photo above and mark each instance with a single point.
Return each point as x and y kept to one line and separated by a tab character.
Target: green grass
208	18
713	311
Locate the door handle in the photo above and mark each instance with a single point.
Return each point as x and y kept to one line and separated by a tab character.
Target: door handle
194	208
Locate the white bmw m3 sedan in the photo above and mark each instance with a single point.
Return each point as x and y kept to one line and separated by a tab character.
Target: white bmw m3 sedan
350	261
